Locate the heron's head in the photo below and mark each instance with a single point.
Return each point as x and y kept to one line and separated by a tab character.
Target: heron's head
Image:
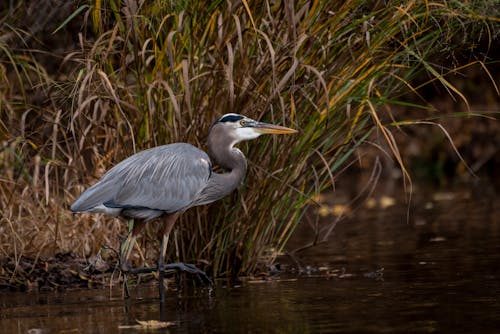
239	128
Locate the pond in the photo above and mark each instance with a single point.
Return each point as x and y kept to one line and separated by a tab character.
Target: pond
438	271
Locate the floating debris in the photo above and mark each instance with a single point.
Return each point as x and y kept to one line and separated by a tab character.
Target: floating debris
149	324
437	239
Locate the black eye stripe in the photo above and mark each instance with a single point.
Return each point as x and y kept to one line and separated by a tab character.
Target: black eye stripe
230	118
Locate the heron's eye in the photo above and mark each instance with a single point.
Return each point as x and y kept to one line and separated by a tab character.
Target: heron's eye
243	122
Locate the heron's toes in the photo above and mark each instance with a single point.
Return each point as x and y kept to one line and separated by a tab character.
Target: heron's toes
201	274
189	268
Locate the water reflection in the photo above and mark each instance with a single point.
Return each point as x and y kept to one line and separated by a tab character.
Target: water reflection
440	273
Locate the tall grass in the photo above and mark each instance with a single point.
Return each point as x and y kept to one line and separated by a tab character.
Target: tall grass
156	72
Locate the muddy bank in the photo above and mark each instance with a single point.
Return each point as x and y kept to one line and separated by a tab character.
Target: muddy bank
50	273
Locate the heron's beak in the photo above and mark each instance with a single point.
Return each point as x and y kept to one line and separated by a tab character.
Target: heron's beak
271	128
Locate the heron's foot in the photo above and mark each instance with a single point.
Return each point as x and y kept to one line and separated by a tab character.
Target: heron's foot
189	268
179	266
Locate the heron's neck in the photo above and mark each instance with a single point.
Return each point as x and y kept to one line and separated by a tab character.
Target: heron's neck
221	150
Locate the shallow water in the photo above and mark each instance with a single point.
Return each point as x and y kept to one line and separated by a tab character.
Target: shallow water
439	272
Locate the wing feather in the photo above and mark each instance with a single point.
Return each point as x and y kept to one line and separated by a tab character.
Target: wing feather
165	178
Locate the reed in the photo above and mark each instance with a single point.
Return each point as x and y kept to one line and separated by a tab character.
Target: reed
156	72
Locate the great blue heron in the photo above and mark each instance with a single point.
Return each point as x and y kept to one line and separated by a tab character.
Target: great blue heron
167	180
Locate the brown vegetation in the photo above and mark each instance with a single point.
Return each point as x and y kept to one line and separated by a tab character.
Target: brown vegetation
84	87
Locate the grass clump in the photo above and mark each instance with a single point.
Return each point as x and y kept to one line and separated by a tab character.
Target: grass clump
156	72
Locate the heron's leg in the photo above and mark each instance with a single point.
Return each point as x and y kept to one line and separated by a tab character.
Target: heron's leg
169	224
186	267
128	245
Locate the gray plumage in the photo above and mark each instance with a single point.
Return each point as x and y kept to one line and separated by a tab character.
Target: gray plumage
163	179
172	178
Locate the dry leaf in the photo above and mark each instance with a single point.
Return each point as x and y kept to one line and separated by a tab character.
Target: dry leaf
386	201
149	324
370	203
323	211
340	209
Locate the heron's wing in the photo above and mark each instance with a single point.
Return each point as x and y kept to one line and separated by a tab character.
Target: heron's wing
165	178
168	178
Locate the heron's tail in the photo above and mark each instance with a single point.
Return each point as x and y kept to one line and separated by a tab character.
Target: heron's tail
94	197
